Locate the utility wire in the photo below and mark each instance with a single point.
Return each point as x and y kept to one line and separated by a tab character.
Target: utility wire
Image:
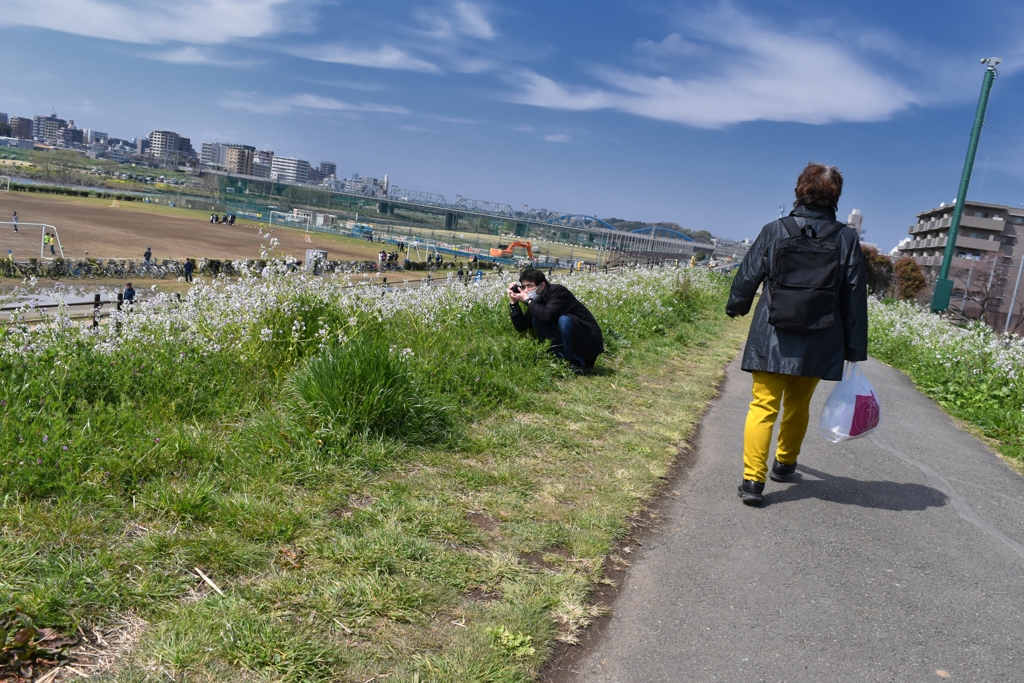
1004	138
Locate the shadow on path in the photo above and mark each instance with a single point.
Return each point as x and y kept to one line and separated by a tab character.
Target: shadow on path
883	495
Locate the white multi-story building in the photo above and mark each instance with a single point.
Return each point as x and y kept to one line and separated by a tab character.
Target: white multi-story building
163	143
212	154
856	221
94	137
289	170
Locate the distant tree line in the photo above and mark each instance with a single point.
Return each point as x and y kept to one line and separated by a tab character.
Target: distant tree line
629	226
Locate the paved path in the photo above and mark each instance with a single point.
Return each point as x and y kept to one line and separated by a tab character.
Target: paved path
897	557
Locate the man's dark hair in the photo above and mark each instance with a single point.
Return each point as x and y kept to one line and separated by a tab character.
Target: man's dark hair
819	185
533	275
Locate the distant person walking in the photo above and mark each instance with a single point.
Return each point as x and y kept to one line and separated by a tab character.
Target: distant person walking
188	267
799	335
15	221
148	255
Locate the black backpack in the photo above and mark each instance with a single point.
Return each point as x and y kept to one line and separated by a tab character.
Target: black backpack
804	282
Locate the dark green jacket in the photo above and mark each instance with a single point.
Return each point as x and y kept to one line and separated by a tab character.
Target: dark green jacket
815	354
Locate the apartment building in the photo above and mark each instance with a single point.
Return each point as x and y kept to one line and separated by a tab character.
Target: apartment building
262	162
46	129
238	159
988	244
21	127
289	170
169	146
329	169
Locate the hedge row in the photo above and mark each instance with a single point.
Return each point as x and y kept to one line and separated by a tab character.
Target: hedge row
72	192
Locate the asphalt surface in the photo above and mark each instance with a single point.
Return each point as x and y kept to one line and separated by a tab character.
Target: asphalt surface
896	557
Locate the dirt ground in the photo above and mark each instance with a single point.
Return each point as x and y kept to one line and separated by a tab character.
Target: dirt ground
94	227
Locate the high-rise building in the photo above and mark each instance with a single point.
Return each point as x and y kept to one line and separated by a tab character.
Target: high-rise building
3	117
46	128
988	241
329	169
163	144
220	155
289	170
212	154
238	159
169	146
21	127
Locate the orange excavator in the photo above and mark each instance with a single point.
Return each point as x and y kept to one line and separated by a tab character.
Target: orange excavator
506	252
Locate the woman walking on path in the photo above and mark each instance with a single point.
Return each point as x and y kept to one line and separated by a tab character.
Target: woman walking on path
789	357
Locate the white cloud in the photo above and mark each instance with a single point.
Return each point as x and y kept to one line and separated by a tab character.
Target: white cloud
472	21
558	138
673	45
191	54
141	21
758	73
463	19
384	57
524	128
253	102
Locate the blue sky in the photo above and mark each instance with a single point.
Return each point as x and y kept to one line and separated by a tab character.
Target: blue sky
701	113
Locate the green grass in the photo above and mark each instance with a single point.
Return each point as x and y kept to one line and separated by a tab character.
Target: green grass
352	533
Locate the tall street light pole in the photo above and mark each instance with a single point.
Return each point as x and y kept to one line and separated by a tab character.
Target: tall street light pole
944	286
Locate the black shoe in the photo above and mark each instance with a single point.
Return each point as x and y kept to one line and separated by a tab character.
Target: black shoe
577	369
781	472
750	492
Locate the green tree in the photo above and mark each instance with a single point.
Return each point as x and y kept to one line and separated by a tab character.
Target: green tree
879	270
909	278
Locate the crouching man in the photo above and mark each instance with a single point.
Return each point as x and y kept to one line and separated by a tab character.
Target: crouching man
554	313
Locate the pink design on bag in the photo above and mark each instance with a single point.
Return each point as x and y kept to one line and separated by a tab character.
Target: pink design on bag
865	414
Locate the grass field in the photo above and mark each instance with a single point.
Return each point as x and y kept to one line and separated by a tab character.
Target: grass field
397	487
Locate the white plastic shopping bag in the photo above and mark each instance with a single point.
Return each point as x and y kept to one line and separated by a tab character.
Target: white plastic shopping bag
852	409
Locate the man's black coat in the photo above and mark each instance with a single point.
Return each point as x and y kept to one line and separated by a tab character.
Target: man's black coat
551	304
813	354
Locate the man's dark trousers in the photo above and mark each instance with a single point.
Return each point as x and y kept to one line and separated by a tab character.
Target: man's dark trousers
560	333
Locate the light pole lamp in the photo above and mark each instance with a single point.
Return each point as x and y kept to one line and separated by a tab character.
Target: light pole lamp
944	286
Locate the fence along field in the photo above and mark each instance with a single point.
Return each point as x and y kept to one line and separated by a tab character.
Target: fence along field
319	452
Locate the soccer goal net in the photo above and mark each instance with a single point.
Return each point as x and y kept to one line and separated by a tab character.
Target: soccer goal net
291	219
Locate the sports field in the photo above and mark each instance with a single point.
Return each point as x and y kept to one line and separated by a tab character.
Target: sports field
125	231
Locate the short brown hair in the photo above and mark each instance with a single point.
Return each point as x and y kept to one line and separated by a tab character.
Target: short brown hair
819	185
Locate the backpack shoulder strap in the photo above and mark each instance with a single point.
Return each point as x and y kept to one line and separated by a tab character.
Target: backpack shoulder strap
789	223
833	226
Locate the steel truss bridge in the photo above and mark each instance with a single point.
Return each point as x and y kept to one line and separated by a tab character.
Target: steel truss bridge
578	228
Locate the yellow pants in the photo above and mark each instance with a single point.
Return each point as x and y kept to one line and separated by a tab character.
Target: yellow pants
770	390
